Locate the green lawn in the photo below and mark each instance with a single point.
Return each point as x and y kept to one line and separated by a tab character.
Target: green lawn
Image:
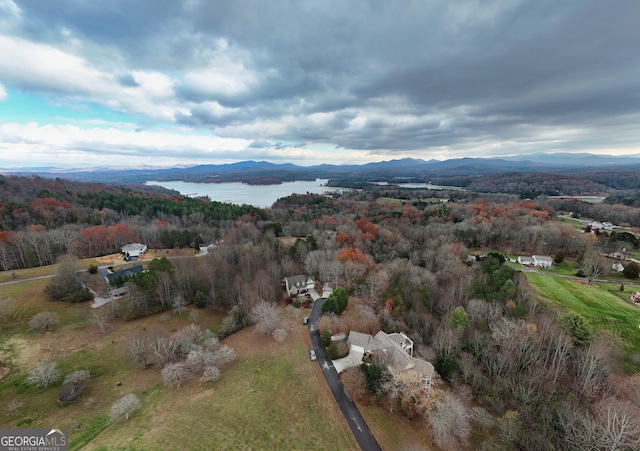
603	305
390	200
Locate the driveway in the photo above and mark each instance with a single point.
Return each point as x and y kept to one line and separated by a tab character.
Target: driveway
354	358
358	426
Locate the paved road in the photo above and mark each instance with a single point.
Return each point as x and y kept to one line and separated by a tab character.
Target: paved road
359	427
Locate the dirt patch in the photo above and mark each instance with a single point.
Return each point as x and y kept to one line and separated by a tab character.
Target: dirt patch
27	353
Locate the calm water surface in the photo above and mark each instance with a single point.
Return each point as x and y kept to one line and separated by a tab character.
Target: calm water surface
261	196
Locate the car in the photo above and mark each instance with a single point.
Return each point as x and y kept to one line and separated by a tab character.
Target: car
312	355
305	320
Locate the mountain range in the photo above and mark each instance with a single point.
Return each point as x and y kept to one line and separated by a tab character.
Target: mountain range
408	169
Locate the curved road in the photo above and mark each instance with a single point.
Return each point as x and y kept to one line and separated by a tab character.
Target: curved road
356	422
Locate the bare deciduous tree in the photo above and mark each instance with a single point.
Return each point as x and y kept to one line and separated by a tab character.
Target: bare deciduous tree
592	265
179	303
101	317
223	355
446	340
450	422
176	373
618	424
44	321
591	367
125	406
185	338
138	348
44	374
266	316
163	348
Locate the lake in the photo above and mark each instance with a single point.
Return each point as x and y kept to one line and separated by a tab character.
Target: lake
261	196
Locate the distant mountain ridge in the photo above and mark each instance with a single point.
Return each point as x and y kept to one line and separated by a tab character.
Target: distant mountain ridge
263	172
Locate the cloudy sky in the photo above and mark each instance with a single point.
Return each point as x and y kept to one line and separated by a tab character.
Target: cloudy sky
166	82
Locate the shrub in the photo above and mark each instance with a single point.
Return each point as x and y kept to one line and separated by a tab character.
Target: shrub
74	385
44	374
211	374
325	338
558	257
200	299
332	352
631	270
336	302
44	321
280	335
375	376
446	366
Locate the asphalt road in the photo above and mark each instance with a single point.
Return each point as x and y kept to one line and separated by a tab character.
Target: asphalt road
359	427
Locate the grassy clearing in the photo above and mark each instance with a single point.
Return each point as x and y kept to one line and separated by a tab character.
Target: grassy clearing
273	397
393	431
604	305
566	268
390	201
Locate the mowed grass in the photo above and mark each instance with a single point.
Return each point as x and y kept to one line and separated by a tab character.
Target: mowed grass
272	397
268	402
395	432
603	305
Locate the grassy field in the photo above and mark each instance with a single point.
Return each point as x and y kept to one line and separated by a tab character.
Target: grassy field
604	305
272	397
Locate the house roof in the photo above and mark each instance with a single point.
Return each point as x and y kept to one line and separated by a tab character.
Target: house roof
134	247
297	281
392	348
542	258
126	272
365	341
399	359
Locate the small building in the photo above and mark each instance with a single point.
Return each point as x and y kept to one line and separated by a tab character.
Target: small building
526	261
617	266
133	250
205	248
542	261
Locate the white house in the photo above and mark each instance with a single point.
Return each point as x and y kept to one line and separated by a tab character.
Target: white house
542	261
205	248
617	266
298	284
133	250
526	261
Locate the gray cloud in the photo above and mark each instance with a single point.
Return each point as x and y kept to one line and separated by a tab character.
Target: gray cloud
392	77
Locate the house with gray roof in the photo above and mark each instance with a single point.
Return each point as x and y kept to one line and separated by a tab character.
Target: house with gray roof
395	352
133	250
298	284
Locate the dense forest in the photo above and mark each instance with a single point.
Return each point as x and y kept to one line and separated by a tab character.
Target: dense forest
516	375
41	219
